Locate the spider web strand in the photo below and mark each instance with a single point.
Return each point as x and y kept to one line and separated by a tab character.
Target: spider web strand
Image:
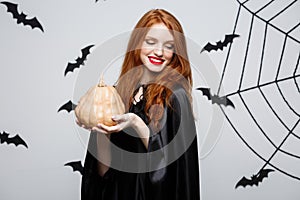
246	53
297	64
259	77
277	116
278	71
229	49
283	141
262	85
286	102
281	58
264	7
282	52
284	9
245	2
278	29
262	55
296	68
263	132
257	154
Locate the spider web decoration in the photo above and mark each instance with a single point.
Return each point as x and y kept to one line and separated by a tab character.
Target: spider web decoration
267	97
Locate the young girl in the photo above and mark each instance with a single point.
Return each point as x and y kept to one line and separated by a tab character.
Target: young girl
151	154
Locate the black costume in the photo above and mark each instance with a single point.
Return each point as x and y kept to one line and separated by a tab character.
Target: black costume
176	181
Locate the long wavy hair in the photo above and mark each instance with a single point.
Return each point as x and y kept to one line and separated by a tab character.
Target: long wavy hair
177	73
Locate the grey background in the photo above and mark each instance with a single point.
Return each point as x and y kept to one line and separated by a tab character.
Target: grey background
33	87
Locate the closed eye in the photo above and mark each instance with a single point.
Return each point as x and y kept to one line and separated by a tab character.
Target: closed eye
169	46
150	41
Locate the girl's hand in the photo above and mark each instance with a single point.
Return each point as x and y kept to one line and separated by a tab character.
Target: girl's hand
123	121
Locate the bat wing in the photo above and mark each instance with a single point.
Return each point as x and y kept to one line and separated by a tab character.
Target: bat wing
34	23
79	61
85	52
11	8
222	101
229	102
216	99
255	179
220	45
16	140
76	166
263	174
229	39
208	47
70	67
243	182
205	92
21	17
69	106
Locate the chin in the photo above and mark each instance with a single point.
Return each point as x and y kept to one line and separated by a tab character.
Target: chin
155	69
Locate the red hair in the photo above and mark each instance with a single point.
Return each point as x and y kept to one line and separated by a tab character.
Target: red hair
178	72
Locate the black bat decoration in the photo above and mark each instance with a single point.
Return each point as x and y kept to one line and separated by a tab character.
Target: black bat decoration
219	45
69	106
76	166
21	17
215	98
255	179
16	140
80	60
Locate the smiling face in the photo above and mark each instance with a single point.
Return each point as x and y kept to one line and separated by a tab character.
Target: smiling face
157	48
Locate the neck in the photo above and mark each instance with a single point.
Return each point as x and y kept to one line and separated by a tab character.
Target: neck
147	76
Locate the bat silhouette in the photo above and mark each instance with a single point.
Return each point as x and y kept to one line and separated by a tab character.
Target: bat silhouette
21	17
69	106
80	60
16	140
255	179
215	98
219	45
76	166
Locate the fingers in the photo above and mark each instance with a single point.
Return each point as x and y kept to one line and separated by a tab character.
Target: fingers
118	118
123	121
109	129
98	129
121	118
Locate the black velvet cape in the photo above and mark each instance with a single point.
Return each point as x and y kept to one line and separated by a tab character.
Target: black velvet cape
178	180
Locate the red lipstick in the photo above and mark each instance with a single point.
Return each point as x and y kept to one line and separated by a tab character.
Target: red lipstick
155	60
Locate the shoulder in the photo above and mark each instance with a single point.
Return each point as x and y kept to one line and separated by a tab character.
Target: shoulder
179	95
179	99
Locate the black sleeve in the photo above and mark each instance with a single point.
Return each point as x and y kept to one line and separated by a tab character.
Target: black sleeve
173	153
94	186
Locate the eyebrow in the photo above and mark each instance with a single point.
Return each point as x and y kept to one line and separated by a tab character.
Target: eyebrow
169	41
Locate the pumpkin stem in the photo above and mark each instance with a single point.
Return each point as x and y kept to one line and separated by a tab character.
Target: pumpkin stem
101	83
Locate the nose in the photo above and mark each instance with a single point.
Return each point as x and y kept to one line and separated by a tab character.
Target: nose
158	51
